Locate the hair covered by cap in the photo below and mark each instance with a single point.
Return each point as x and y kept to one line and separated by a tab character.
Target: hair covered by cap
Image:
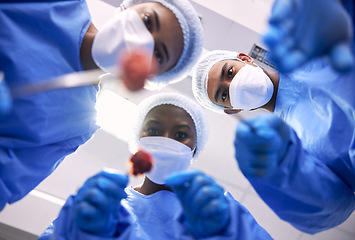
193	40
191	107
200	77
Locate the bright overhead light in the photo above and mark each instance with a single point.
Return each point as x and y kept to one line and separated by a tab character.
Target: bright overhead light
115	114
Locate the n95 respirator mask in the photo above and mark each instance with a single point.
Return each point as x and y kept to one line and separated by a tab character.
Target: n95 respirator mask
124	32
250	88
169	156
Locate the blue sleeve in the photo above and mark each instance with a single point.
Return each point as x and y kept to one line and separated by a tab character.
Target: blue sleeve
64	228
305	192
22	169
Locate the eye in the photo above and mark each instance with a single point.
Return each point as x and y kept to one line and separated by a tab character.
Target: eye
224	96
180	135
153	131
148	22
158	56
230	72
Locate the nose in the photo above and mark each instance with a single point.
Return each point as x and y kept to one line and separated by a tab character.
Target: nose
166	134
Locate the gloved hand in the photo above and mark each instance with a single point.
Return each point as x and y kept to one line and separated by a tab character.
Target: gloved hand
97	203
5	96
206	209
304	29
260	150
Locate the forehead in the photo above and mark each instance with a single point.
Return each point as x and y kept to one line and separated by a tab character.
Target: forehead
170	114
215	72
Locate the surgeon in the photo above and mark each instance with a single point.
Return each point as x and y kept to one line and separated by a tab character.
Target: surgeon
300	30
171	203
301	159
42	40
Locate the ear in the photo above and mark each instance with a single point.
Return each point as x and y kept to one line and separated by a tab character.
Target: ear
232	111
246	58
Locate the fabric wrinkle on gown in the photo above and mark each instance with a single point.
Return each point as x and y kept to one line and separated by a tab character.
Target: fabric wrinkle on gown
41	40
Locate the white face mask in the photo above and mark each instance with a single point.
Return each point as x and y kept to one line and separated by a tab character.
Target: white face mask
125	31
169	157
250	88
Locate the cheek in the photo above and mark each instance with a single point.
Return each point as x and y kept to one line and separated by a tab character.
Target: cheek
191	143
142	134
162	68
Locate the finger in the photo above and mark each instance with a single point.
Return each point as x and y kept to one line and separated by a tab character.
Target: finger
341	57
95	197
85	212
264	140
110	183
292	60
281	10
205	195
197	183
111	188
215	207
181	178
261	167
243	130
120	179
266	120
272	37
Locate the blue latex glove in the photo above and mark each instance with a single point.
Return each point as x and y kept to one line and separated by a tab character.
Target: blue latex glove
259	151
5	97
206	209
97	204
304	29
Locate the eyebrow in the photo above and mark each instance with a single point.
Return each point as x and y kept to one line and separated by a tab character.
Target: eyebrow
152	122
183	126
156	20
224	68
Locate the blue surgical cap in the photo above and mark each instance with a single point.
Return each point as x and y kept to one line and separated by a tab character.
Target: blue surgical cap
193	40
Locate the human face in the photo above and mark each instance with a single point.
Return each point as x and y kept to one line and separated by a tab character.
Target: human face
166	31
219	78
171	122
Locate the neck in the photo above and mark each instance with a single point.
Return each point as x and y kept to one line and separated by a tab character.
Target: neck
275	78
85	49
148	187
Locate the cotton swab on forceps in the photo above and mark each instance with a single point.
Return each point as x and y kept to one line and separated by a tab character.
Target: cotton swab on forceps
136	68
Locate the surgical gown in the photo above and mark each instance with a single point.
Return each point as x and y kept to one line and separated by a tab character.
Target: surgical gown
156	216
40	41
313	188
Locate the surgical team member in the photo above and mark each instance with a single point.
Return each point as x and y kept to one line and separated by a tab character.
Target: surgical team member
41	40
301	159
171	203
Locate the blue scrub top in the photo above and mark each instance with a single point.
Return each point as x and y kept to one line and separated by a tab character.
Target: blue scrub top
314	186
156	216
41	40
